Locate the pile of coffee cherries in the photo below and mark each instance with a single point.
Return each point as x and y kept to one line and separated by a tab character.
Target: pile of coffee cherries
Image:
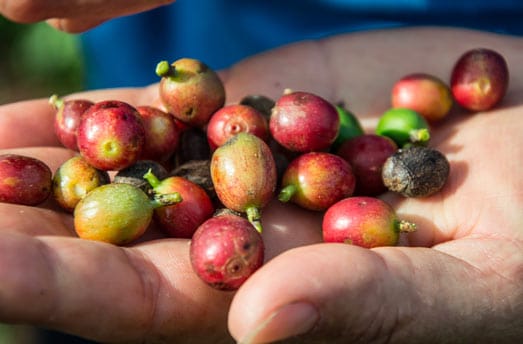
205	170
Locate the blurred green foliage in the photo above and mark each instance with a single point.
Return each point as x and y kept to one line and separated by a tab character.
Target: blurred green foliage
37	61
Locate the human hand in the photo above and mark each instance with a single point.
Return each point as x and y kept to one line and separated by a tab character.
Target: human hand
74	16
461	281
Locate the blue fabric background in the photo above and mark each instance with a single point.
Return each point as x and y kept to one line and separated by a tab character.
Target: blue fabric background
125	51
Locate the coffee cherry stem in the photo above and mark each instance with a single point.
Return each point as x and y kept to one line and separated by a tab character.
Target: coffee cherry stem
161	200
56	101
419	136
403	226
287	192
164	69
151	178
254	217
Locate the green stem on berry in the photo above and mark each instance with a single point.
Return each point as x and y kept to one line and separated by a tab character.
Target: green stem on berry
419	136
56	101
287	192
151	178
254	217
403	226
161	200
164	69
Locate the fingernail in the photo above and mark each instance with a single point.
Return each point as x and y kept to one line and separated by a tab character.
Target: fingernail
288	321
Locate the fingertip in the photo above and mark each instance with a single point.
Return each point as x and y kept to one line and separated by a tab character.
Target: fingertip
300	290
73	26
290	320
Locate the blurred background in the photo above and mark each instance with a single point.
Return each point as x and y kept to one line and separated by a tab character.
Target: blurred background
37	61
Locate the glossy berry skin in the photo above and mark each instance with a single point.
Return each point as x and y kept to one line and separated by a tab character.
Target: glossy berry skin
111	135
350	127
363	221
233	119
404	126
479	79
316	180
424	93
366	154
304	122
67	119
113	213
24	180
181	220
74	179
190	90
243	172
225	251
162	134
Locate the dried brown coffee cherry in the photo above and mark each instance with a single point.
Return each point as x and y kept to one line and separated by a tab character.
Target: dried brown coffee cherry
417	171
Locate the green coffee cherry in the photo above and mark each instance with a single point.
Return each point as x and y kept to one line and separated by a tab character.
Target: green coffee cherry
404	126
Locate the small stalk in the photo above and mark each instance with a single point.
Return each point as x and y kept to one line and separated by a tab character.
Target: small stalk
419	136
164	69
151	178
254	217
287	192
159	199
56	101
403	226
162	200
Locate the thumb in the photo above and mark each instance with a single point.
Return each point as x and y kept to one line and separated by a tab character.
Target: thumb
340	293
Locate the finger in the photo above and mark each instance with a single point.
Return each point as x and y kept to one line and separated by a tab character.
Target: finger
338	293
286	226
479	174
53	157
74	25
34	221
108	293
30	123
30	11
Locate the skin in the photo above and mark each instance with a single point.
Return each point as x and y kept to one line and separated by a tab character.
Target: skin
460	282
76	15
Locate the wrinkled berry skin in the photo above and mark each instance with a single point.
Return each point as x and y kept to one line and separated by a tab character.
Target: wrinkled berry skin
304	122
24	180
225	251
362	221
134	174
479	79
318	180
416	171
111	135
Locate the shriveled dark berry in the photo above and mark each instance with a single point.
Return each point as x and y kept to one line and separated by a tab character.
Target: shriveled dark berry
193	145
134	174
198	172
259	102
416	171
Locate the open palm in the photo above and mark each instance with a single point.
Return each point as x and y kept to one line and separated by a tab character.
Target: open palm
456	279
